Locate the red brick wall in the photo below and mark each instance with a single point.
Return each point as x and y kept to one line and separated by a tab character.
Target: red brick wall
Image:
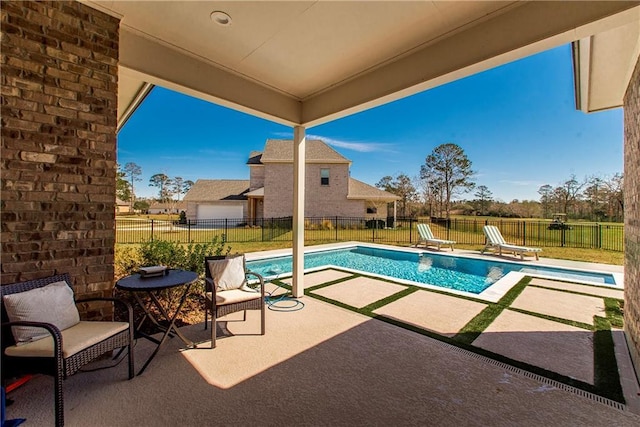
59	100
632	215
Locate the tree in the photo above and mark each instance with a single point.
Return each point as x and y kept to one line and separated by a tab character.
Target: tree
568	193
427	194
483	198
546	199
594	196
449	170
402	186
132	171
161	181
615	197
123	190
179	186
385	183
141	205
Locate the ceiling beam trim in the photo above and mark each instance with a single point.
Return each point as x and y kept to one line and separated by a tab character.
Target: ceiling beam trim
167	67
145	89
519	32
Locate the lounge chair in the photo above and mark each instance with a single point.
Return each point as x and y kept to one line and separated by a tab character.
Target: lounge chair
426	236
495	241
42	333
226	291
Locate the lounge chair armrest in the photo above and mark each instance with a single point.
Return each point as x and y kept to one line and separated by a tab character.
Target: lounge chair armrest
126	304
259	277
51	329
209	285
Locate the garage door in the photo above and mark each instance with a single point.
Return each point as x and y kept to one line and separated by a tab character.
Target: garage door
220	212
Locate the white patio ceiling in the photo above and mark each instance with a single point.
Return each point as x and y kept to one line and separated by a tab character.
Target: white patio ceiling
306	63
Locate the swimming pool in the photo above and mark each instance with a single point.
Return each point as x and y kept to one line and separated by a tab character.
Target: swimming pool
469	275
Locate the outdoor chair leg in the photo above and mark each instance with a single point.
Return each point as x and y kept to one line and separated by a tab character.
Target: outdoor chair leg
206	318
59	398
132	372
262	319
213	330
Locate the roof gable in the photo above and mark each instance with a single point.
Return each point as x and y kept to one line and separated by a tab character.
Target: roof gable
316	151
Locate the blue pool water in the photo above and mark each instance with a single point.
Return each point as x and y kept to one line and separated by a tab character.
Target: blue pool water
463	274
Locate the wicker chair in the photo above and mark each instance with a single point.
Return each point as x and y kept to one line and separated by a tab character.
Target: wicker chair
58	365
230	301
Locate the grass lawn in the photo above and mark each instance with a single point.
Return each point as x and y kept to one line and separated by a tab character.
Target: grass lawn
600	256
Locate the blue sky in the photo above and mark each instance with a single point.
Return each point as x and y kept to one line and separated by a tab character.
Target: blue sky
517	124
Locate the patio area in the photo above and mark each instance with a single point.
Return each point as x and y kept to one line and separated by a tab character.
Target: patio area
365	351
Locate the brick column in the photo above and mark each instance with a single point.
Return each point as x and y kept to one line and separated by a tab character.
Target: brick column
59	105
632	216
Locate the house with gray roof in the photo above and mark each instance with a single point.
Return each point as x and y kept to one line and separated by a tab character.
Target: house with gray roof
217	199
330	191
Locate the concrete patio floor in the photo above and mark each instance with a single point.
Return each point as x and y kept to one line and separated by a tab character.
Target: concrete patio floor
330	365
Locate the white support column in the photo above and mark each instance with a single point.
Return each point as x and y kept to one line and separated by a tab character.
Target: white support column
299	163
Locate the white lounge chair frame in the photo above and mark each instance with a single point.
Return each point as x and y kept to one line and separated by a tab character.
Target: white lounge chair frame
495	241
426	236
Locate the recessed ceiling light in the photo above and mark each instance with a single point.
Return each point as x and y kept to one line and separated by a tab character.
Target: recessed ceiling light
221	18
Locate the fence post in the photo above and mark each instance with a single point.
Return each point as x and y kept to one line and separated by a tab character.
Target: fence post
226	232
262	228
524	233
336	228
373	230
599	236
152	230
410	231
562	237
189	230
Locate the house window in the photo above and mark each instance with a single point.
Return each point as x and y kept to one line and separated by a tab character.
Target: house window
324	176
372	210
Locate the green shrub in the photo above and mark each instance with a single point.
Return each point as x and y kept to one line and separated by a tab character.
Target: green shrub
162	252
127	260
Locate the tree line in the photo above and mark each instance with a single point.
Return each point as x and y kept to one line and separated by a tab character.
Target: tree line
170	190
447	174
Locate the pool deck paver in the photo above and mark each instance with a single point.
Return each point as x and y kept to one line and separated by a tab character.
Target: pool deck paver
554	346
564	305
319	277
575	287
360	291
432	311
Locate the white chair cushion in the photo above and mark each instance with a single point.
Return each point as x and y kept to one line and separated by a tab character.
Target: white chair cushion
228	273
233	296
53	304
74	339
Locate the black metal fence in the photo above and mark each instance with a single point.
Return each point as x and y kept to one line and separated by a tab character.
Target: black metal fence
403	231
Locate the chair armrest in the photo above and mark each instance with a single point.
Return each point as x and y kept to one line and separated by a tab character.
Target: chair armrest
260	278
52	329
116	300
209	285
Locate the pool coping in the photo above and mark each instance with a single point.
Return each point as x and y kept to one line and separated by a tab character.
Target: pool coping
492	294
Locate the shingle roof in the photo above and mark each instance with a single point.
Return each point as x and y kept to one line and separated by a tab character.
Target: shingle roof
361	191
254	158
317	151
209	190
